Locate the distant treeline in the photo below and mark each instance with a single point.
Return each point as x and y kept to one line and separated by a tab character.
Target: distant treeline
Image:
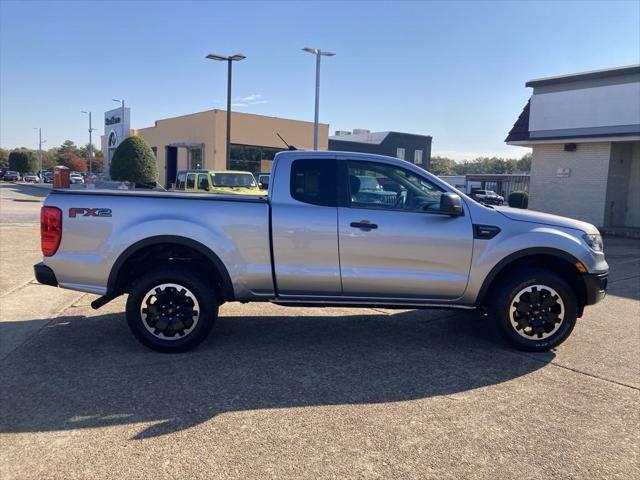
68	154
448	166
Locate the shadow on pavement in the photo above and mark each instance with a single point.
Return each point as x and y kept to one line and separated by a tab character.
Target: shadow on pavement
89	372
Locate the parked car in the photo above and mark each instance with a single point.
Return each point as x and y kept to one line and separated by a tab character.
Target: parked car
488	197
47	177
180	256
76	178
211	181
11	176
31	177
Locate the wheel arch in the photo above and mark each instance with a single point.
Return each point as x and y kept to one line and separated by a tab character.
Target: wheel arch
114	282
555	260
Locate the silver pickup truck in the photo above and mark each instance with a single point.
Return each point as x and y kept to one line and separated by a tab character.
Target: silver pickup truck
335	229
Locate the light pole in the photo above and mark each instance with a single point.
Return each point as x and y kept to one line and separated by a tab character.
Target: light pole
90	143
123	133
233	58
40	142
318	53
122	119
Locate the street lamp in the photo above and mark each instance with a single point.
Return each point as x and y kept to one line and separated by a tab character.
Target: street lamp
222	58
40	142
318	53
122	119
90	142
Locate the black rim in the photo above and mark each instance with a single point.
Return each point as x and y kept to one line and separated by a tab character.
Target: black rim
169	311
536	312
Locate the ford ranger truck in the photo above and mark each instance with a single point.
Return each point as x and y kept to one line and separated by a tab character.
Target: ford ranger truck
319	238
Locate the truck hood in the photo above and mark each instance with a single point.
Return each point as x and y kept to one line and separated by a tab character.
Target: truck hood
532	216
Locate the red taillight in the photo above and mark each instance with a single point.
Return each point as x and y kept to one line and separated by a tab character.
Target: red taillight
50	230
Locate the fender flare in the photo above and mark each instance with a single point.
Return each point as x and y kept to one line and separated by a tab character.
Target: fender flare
509	259
227	285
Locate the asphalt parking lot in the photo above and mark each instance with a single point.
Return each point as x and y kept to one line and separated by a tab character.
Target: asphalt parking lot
308	393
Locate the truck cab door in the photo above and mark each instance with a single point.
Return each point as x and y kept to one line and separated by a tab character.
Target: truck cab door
394	243
304	223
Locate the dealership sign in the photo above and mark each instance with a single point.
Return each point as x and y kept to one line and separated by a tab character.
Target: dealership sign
117	127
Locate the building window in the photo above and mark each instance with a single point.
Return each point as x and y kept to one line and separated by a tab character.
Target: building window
195	158
417	157
400	153
252	158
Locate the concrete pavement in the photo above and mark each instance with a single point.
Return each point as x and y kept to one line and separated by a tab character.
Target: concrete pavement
312	393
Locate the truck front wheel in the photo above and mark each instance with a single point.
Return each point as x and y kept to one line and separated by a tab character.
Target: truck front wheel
171	309
535	310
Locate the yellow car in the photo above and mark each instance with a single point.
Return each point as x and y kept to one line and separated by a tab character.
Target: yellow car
214	181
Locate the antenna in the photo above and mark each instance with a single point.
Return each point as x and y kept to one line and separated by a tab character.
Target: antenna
289	147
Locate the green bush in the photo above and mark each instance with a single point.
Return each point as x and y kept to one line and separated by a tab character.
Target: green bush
134	162
23	160
519	199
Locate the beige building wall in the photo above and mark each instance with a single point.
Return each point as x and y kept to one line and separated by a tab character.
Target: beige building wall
193	128
209	129
582	195
633	194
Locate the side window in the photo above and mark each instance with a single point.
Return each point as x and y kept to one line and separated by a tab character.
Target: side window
191	180
203	181
314	181
386	187
180	181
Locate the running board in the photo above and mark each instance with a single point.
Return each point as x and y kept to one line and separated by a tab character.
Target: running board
347	304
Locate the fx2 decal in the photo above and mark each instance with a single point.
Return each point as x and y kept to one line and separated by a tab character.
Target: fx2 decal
89	212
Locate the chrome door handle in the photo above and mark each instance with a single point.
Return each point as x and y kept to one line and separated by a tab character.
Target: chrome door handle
364	225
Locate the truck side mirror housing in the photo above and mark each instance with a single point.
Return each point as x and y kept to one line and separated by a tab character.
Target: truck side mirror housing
451	204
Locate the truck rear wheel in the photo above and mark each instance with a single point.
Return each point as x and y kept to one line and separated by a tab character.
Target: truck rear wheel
535	311
171	309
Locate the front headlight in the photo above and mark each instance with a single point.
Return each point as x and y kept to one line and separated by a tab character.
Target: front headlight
594	241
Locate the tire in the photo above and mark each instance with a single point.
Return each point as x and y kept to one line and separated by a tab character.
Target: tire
535	311
171	309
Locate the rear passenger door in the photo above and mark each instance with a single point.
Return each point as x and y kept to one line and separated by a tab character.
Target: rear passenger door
304	229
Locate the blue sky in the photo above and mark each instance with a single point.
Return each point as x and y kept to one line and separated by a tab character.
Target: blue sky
453	70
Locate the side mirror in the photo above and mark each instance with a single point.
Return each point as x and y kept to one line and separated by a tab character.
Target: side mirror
451	204
263	185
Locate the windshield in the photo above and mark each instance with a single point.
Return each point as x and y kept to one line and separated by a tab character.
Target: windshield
369	183
244	180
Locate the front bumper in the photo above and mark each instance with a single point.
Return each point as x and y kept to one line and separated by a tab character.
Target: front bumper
596	286
45	275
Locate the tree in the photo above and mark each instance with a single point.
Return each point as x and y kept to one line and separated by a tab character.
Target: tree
65	152
524	164
4	158
77	164
442	166
134	162
23	160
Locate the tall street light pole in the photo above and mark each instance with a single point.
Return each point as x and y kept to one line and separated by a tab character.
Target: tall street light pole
122	119
318	53
90	144
229	59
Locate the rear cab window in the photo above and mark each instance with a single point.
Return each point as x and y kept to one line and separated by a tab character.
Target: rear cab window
315	181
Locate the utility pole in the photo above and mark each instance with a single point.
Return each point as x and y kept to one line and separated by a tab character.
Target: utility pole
91	144
40	142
